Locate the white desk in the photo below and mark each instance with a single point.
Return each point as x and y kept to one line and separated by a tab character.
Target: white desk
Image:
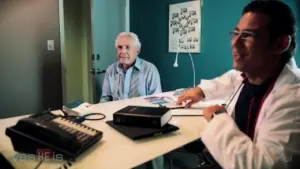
116	151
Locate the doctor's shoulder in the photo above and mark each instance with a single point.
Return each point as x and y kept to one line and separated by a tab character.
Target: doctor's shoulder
289	89
284	103
287	93
233	75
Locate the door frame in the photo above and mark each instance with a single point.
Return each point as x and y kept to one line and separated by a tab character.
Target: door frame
62	46
127	16
127	28
86	91
75	36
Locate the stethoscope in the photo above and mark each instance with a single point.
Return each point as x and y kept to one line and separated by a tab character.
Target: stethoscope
232	96
250	133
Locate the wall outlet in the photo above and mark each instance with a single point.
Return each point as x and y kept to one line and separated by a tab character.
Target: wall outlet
50	44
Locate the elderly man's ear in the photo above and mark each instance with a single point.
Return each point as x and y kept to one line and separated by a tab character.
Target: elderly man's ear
138	51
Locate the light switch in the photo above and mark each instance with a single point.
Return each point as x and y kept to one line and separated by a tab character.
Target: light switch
50	44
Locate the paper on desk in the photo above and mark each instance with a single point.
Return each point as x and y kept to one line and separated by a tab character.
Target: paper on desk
196	109
57	112
167	101
187	112
161	100
205	104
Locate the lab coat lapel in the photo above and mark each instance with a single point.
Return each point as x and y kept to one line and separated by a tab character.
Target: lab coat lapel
286	77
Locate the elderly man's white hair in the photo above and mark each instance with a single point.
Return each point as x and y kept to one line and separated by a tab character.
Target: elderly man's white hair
132	35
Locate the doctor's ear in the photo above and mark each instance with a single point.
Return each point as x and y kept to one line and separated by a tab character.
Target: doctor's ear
284	43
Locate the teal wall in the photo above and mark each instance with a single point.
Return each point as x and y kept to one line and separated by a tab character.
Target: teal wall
295	5
149	20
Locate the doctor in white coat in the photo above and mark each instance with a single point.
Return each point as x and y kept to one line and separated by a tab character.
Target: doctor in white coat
259	128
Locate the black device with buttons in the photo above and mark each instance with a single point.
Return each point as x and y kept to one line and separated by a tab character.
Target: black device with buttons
52	134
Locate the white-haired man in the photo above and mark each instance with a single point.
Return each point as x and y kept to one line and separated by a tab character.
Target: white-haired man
131	76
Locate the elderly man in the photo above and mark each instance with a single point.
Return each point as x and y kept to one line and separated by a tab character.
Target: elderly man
260	125
131	76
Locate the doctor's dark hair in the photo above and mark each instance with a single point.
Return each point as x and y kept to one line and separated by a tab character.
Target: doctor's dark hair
282	22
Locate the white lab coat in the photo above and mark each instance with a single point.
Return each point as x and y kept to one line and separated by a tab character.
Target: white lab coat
276	142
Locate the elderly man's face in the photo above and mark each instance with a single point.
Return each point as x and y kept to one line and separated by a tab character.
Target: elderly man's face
251	47
127	50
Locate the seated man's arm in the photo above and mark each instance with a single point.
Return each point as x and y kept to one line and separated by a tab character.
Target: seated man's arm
106	91
221	86
277	142
153	84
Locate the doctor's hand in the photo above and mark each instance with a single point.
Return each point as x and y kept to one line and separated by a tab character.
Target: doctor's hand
193	95
210	111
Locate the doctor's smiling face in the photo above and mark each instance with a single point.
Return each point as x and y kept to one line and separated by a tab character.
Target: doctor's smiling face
251	47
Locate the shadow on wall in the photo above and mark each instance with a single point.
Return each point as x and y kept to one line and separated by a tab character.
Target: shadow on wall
51	92
298	11
5	7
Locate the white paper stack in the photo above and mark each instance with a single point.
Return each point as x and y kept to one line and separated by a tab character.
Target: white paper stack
196	109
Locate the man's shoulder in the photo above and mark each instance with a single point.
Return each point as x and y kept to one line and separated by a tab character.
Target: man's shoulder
284	99
289	92
234	72
112	67
147	65
291	88
233	75
288	82
111	70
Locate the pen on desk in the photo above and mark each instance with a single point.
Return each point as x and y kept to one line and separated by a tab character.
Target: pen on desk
181	107
225	105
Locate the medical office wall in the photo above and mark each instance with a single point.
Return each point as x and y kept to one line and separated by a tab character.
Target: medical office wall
149	20
30	57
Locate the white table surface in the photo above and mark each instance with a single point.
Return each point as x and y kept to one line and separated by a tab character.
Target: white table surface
114	150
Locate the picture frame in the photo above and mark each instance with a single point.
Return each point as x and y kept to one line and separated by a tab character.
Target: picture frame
185	27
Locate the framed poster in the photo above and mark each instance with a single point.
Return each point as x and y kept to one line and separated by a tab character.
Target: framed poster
185	27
